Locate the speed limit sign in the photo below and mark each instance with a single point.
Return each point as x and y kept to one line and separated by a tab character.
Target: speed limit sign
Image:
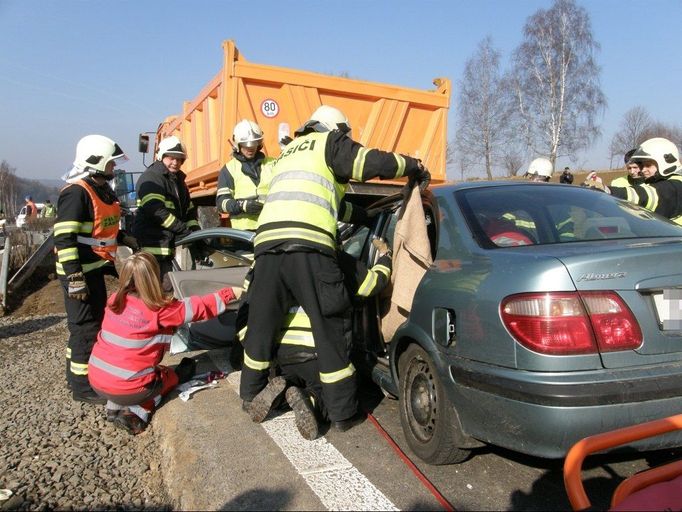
269	108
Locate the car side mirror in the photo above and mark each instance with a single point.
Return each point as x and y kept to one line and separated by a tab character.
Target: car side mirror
143	143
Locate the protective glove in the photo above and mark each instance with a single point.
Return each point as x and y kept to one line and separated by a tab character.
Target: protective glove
423	177
199	250
381	246
130	241
284	141
77	287
251	206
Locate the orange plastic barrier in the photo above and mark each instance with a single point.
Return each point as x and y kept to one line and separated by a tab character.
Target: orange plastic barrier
589	445
388	117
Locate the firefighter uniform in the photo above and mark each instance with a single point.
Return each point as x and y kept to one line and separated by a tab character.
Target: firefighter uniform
297	353
165	213
660	194
85	239
243	179
295	250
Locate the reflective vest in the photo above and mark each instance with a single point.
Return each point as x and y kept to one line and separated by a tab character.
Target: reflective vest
304	197
104	225
48	211
244	188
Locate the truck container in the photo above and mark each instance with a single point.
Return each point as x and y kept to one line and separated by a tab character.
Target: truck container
388	117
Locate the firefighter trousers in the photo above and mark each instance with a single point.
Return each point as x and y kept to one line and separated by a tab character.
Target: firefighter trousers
84	320
314	281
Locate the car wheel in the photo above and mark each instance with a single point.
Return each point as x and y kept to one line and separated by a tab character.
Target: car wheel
425	414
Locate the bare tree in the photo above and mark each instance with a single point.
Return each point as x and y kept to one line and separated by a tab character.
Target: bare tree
8	189
557	80
513	161
659	129
633	131
483	108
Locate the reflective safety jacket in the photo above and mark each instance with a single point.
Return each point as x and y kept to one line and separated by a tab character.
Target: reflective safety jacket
165	211
308	185
662	195
48	211
86	228
626	181
243	179
131	344
297	342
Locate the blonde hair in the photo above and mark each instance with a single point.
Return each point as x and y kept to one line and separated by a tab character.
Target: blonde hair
140	275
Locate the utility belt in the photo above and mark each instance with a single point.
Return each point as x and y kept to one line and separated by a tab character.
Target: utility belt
96	242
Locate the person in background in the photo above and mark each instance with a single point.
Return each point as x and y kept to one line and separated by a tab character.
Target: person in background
165	211
243	182
138	325
633	176
86	236
659	163
295	253
31	208
566	176
48	211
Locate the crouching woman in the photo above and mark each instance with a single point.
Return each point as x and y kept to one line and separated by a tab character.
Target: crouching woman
138	324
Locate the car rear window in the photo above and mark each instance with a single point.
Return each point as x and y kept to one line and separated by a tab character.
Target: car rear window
538	214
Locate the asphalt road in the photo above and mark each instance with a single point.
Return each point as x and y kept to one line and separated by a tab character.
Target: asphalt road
491	479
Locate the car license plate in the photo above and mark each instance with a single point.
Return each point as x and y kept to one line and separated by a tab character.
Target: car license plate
669	309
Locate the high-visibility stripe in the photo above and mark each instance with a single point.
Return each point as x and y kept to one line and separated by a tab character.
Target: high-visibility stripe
117	371
159	251
331	378
189	310
62	228
96	242
254	364
219	304
383	269
191	223
223	205
305	176
303	339
69	254
289	233
347	213
677	220
114	339
652	198
78	368
224	191
302	196
151	197
359	164
632	195
367	284
169	221
68	353
401	165
85	267
242	334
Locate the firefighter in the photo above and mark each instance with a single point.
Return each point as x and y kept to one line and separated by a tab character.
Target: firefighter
633	176
86	235
295	251
48	211
661	192
243	181
165	211
297	355
540	169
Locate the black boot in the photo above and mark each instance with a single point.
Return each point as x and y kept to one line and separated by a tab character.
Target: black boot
262	403
186	369
349	423
304	413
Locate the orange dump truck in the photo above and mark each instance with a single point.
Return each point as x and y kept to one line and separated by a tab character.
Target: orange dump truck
388	117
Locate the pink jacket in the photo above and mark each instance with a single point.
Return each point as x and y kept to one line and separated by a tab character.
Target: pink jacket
132	343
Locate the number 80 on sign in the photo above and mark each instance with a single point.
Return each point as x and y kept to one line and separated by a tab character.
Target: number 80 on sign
269	108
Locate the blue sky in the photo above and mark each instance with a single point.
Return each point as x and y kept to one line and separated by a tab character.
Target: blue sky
119	67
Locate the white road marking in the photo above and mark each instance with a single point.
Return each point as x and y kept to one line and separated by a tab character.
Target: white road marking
336	482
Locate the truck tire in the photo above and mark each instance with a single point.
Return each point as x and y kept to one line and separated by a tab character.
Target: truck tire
425	413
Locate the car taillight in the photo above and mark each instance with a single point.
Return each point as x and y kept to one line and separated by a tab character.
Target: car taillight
614	324
558	323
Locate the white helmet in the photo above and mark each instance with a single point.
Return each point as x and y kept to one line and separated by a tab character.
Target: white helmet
326	119
247	133
171	146
93	153
662	151
540	167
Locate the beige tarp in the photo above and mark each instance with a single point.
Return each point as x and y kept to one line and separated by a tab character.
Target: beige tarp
411	259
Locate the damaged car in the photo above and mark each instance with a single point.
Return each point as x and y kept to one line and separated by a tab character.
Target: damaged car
522	315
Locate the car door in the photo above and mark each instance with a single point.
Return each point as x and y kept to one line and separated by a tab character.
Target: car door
206	261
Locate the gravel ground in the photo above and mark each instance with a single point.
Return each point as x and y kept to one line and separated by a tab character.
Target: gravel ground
56	453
